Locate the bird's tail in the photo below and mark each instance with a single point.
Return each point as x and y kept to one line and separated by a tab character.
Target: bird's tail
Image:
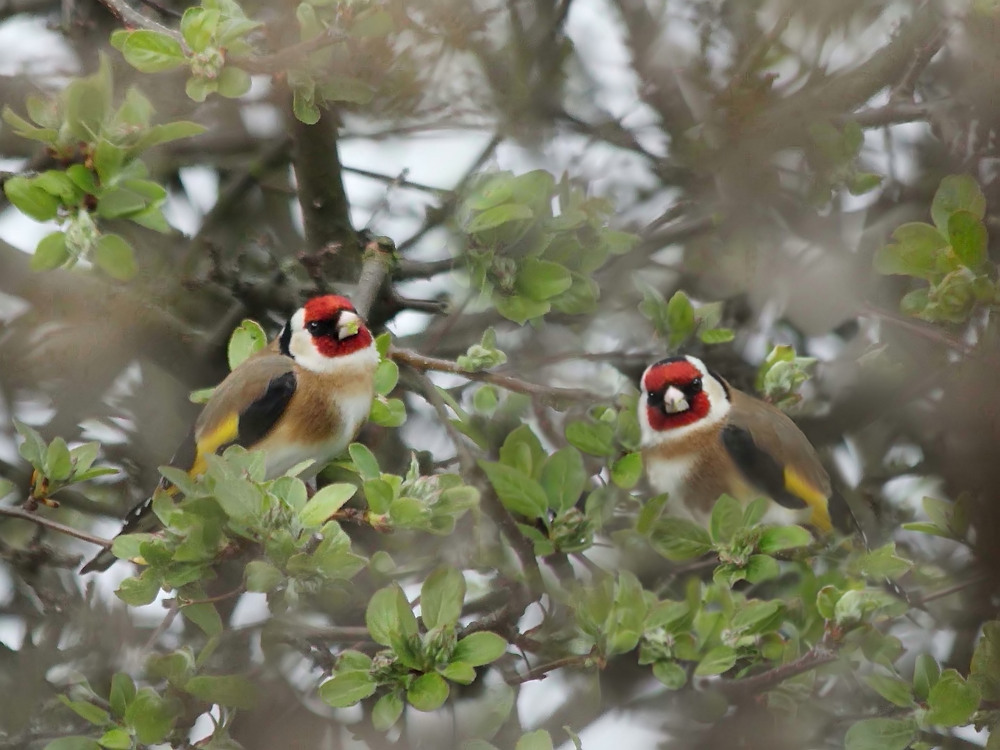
100	562
140	518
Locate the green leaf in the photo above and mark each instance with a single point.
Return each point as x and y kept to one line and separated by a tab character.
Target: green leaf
386	376
117	202
246	339
757	616
233	82
479	648
262	576
388	412
150	716
389	617
234	691
595	438
761	568
627	470
205	616
364	461
880	734
114	256
347	688
727	517
968	238
58	460
523	451
50	253
518	492
680	318
198	89
197	27
926	672
325	503
957	193
122	693
985	669
914	253
139	591
168	131
716	661
498	216
541	280
428	692
679	539
304	106
152	52
441	597
387	711
537	740
671	674
31	199
460	672
896	691
87	711
379	495
717	336
563	478
73	743
777	538
520	309
116	739
952	700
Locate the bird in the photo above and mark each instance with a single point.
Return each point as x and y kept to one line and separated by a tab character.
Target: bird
304	396
701	438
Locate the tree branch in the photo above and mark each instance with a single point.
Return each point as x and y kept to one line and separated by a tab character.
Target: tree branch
547	394
53	525
133	18
375	266
750	687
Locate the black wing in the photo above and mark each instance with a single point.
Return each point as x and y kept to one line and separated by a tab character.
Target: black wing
261	415
758	466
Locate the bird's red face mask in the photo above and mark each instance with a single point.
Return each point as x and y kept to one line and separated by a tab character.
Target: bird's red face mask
335	327
675	397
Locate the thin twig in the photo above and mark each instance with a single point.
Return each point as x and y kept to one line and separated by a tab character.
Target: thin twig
53	525
548	394
750	687
241	589
131	17
954	589
930	332
541	671
904	90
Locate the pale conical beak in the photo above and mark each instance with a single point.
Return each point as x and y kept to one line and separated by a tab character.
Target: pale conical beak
348	325
674	401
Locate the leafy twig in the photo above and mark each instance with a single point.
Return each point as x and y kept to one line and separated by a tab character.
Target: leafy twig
542	670
750	687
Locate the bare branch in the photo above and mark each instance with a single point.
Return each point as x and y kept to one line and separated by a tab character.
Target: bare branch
53	525
130	17
750	687
548	394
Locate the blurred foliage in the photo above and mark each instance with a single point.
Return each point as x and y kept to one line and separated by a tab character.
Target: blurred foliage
748	187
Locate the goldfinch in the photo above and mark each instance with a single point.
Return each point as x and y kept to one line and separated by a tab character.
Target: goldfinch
304	396
702	438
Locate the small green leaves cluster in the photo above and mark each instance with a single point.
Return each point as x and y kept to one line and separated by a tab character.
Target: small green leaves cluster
677	320
230	507
833	155
388	412
56	465
745	548
933	698
415	502
547	489
949	257
101	177
130	717
418	663
781	374
527	259
211	36
482	356
326	75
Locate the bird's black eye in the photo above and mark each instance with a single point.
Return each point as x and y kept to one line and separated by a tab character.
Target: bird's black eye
695	385
655	398
321	327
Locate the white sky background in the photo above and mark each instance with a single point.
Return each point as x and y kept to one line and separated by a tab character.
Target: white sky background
440	159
